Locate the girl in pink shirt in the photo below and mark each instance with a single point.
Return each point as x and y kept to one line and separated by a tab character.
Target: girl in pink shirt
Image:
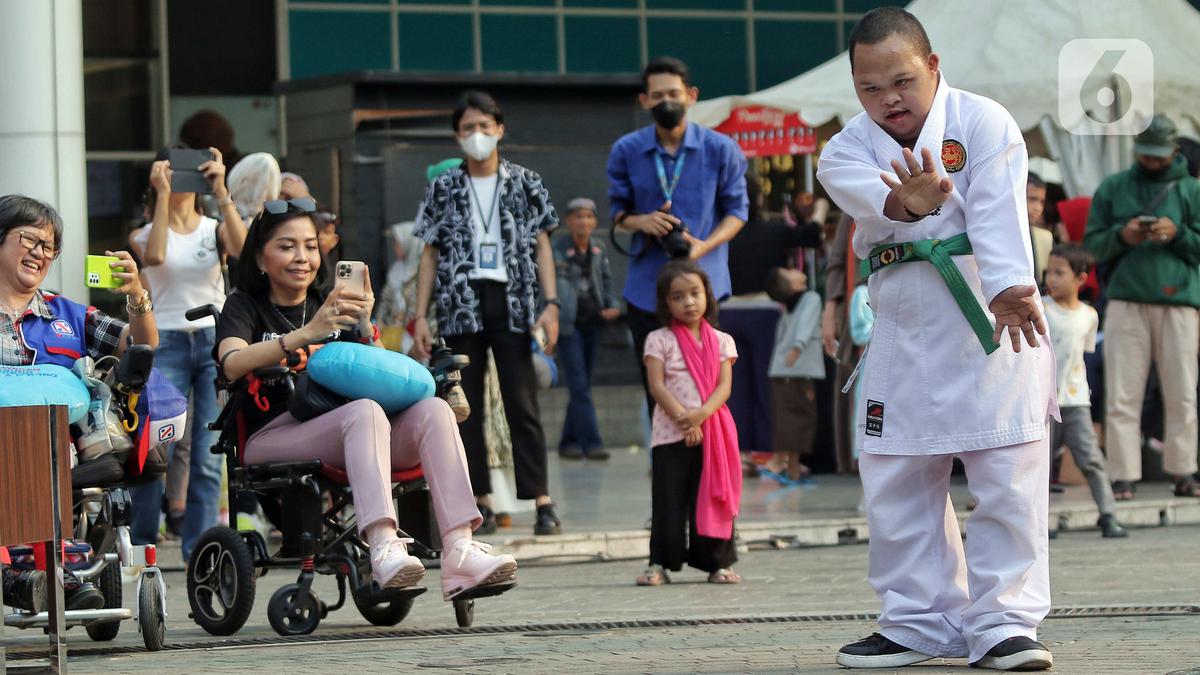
696	470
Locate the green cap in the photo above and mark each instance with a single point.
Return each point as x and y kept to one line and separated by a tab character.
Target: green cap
433	170
1158	140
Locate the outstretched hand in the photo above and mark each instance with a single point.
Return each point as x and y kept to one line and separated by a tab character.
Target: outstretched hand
1016	310
917	188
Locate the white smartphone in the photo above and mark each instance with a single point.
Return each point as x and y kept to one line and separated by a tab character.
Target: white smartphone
352	275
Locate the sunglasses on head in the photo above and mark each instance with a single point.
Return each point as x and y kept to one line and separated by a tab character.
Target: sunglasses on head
278	207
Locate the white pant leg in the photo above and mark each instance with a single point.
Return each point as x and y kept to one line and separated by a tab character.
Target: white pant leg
916	556
1008	568
1175	345
1127	354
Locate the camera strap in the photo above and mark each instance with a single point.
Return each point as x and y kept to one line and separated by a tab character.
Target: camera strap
669	190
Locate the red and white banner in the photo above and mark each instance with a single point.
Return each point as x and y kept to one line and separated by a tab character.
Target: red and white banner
762	132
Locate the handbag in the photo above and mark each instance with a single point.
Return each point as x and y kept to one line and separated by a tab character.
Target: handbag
309	399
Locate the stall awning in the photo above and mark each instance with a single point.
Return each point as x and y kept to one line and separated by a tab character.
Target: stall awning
762	132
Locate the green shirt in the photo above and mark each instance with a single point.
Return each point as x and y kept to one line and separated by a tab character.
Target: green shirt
1152	272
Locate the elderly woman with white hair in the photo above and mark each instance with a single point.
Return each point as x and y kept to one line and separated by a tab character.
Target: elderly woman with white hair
252	181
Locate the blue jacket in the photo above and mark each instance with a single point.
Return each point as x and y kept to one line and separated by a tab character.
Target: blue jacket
569	276
59	340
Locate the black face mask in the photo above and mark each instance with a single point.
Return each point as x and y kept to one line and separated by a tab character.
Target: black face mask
1154	174
668	114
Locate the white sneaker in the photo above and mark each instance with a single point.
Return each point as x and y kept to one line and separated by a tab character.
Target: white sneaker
468	564
393	567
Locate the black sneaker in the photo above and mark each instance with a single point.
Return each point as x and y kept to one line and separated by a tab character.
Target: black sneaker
1017	653
598	453
878	652
25	589
570	452
547	521
488	526
1111	527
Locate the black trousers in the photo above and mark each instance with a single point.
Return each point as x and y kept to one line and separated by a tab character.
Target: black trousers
641	323
675	481
518	385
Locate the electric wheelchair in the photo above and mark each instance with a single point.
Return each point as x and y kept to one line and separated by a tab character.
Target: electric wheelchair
310	503
101	515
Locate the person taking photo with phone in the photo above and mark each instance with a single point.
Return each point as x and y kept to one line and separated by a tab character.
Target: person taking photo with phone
181	251
1144	224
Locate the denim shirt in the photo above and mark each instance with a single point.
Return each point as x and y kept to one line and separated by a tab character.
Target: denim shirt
712	185
570	274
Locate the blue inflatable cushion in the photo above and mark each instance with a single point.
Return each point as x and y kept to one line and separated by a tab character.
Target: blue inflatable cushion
44	385
356	371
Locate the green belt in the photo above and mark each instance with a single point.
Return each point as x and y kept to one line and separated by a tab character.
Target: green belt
938	253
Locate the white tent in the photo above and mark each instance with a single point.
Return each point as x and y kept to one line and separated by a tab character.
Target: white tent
1008	50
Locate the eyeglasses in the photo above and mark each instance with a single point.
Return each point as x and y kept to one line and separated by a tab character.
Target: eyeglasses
31	241
278	207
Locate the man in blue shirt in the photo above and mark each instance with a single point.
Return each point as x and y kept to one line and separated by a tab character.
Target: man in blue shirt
670	174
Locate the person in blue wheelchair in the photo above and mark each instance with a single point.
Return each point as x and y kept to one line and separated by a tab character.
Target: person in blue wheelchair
38	327
283	303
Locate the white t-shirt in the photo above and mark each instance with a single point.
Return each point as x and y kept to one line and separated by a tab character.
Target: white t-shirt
190	276
489	246
1073	332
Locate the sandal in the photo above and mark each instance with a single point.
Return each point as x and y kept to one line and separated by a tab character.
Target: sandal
654	575
1123	490
1186	487
725	575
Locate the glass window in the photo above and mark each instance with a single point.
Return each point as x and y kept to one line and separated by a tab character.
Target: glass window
602	45
519	43
436	42
520	3
868	5
120	105
335	42
426	2
696	4
714	49
611	4
785	49
795	5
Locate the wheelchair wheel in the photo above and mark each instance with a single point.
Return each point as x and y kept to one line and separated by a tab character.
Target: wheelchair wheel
109	583
464	612
151	614
385	613
220	581
292	612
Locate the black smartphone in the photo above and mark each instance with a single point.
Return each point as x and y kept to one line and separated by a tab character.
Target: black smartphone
185	170
1147	221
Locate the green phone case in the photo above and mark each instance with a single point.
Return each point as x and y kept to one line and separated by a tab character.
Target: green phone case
97	273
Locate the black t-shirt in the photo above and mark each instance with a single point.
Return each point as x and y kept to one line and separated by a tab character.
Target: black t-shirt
256	319
763	245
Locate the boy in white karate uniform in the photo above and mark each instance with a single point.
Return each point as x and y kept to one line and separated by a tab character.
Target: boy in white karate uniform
945	240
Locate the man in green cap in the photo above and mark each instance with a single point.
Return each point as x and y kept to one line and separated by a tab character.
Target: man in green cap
1145	225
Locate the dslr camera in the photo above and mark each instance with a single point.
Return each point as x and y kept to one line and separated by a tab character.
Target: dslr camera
674	243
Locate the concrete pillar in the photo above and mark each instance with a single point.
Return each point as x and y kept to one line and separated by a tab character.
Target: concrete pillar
41	121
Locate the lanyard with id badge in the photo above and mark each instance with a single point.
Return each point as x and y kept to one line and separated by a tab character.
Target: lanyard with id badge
489	251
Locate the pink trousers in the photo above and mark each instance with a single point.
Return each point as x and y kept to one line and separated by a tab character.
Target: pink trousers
359	438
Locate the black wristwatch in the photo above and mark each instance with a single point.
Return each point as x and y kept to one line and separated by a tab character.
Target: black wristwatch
553	301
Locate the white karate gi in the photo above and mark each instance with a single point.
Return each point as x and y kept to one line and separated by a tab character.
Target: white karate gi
936	394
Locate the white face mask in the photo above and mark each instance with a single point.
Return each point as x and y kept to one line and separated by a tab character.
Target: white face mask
478	146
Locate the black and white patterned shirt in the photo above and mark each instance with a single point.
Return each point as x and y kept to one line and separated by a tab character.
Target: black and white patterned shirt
102	333
445	221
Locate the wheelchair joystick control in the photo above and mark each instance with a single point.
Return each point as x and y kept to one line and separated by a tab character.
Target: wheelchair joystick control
446	367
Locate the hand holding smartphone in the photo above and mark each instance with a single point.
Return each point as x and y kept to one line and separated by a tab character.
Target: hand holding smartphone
351	275
1147	222
98	272
185	170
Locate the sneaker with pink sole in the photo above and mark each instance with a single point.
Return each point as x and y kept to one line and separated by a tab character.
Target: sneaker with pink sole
394	567
469	564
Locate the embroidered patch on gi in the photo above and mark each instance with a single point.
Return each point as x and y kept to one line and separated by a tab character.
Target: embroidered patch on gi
889	255
874	418
954	155
62	328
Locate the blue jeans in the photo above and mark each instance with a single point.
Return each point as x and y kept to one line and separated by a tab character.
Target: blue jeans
578	354
185	358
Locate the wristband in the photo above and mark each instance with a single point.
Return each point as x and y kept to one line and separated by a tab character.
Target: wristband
227	201
916	216
374	337
553	301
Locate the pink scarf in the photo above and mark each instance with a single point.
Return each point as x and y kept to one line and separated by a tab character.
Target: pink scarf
721	474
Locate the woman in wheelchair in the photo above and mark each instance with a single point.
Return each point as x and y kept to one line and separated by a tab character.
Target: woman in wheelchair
281	304
37	327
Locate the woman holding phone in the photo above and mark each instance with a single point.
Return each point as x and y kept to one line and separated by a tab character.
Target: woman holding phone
281	303
182	263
